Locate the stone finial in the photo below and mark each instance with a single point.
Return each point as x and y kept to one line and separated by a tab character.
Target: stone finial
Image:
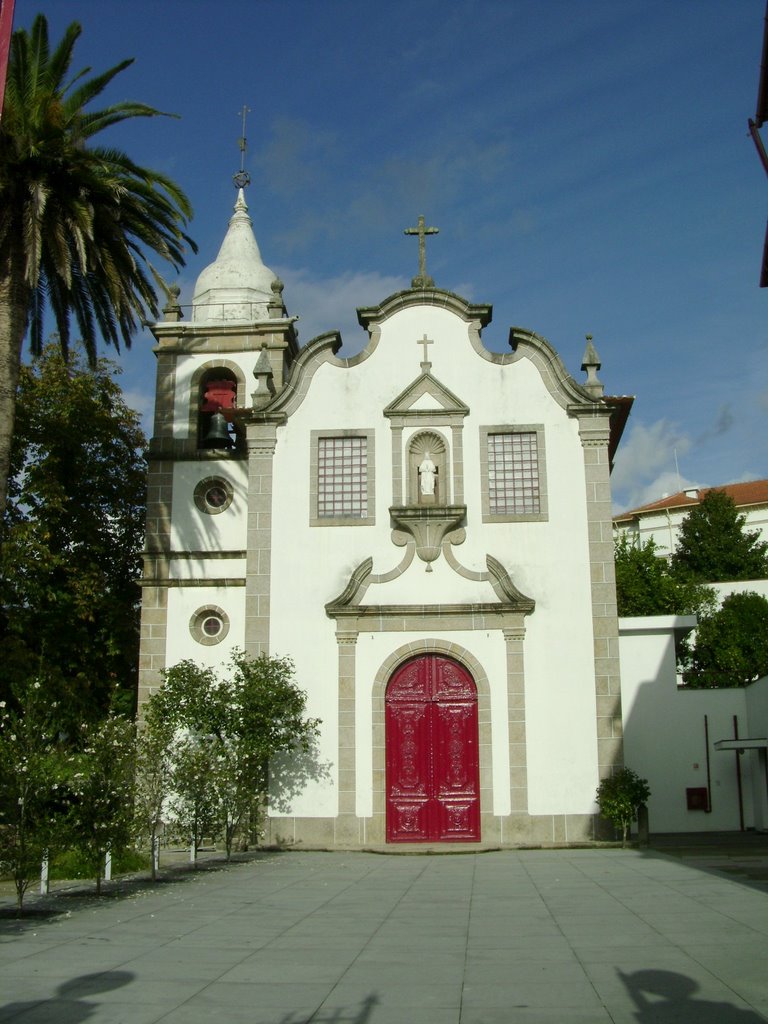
276	306
172	309
265	383
590	364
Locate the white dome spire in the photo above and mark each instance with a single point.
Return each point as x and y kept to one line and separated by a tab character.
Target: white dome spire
236	286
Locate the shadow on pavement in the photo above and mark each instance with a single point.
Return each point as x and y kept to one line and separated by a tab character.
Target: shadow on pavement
665	997
740	856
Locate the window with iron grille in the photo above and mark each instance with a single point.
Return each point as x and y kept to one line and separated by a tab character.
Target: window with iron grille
342	477
513	474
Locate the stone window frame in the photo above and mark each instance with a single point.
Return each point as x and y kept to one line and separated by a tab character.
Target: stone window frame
514	517
202	489
198	618
208	368
314	486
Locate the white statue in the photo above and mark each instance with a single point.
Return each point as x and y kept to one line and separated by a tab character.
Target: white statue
427	475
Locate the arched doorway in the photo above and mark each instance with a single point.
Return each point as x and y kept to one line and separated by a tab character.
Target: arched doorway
433	778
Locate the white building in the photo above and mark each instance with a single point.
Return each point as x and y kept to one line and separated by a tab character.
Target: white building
424	528
703	752
660	520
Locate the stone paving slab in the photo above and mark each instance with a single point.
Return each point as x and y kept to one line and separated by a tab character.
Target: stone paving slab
503	937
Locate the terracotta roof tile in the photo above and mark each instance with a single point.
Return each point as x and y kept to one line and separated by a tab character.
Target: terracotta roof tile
754	492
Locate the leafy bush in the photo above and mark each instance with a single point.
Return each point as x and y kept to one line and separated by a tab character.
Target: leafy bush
619	797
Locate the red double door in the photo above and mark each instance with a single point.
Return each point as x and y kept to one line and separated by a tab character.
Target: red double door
433	778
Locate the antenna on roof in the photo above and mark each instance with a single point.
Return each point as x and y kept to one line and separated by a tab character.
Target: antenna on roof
677	470
242	178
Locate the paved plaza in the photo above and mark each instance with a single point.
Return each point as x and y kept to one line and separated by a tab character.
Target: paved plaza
535	937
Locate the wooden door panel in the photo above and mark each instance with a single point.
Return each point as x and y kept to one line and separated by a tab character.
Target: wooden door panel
432	765
408	754
408	821
455	768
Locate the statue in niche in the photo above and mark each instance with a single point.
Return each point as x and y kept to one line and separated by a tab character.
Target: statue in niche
427	476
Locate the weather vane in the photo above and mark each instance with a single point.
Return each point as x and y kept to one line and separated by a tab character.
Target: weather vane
242	178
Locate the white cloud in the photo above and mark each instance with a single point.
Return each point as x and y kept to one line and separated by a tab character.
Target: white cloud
328	304
646	464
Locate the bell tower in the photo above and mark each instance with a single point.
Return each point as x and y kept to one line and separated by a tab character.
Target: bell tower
210	456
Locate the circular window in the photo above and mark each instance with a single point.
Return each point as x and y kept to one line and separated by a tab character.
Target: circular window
209	625
213	495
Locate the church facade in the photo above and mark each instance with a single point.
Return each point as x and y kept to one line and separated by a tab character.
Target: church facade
424	528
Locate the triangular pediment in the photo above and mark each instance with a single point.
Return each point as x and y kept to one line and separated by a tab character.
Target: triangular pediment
426	394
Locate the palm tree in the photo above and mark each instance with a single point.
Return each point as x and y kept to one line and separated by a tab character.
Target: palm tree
77	222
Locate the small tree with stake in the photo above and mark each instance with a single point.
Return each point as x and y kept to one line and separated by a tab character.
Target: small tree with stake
100	784
229	730
619	797
31	775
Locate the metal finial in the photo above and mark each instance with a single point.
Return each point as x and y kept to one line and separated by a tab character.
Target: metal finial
242	178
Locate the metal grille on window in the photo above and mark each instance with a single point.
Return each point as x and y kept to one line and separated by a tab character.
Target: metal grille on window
342	490
513	474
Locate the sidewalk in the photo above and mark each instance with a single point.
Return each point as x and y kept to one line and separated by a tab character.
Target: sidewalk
535	937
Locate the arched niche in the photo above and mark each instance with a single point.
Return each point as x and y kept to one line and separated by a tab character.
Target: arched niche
428	469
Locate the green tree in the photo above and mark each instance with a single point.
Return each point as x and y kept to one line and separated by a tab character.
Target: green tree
101	775
69	567
645	584
153	784
619	796
235	727
78	222
195	812
730	646
713	545
32	773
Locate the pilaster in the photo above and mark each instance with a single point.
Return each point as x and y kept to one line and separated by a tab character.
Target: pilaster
518	755
261	441
595	431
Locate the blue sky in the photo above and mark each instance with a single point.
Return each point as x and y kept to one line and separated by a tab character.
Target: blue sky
587	163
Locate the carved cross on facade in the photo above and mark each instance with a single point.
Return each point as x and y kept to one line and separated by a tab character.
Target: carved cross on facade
425	364
423	280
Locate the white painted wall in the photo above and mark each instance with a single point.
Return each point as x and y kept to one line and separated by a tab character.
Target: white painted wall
664	733
548	561
663	526
183	603
193	530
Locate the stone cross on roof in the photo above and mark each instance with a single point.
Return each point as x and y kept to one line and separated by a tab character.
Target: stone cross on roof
423	280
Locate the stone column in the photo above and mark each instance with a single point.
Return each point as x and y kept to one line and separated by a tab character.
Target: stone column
594	432
347	825
518	758
261	441
154	582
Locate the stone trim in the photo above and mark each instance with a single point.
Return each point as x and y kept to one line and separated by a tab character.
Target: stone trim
219	581
196	623
207	484
595	432
347	782
370	518
155	581
370	316
544	831
376	828
261	442
194	389
542	515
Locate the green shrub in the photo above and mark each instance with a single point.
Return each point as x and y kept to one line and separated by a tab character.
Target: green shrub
619	797
70	864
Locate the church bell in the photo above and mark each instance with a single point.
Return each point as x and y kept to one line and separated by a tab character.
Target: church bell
218	435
